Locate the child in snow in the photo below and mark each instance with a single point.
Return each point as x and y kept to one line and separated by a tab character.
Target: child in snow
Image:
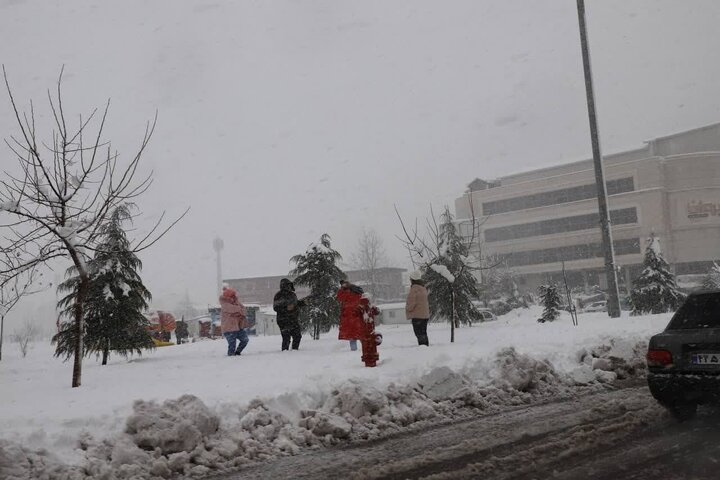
287	306
370	339
417	308
349	297
233	322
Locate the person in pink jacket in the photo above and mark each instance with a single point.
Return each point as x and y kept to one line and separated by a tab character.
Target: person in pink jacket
233	322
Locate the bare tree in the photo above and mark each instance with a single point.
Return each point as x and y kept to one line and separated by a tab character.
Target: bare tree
63	193
27	333
12	290
425	250
430	251
369	257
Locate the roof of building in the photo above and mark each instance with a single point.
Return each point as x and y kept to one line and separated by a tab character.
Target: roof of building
685	132
514	177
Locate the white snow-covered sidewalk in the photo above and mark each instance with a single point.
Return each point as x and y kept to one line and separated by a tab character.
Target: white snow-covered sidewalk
269	402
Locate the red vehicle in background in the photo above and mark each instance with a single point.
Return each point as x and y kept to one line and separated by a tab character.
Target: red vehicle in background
162	324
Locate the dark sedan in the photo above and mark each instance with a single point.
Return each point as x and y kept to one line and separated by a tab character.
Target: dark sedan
684	360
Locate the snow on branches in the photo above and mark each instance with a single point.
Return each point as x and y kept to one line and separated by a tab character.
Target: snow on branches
443	271
655	290
62	192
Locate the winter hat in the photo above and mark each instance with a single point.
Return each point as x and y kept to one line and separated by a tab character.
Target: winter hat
229	292
416	275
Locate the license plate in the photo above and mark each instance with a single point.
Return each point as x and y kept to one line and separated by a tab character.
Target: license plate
706	359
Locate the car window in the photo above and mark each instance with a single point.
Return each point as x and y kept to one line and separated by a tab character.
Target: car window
699	311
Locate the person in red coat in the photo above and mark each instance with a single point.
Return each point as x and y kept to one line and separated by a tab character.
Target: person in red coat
350	297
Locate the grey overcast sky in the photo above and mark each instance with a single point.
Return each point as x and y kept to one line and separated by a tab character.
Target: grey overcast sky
281	120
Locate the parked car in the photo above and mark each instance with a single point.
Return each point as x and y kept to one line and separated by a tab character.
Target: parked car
487	315
684	360
595	307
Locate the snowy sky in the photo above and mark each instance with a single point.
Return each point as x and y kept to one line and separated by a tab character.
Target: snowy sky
282	120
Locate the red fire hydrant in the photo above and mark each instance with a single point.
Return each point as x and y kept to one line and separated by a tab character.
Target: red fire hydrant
371	339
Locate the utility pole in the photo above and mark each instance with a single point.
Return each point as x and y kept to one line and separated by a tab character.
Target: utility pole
218	246
612	283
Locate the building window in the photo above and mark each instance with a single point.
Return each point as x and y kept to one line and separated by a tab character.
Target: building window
556	197
570	253
693	268
576	223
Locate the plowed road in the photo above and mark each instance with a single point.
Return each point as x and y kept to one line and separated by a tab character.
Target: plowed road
615	435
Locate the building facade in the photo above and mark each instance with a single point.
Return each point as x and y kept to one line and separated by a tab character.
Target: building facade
389	285
534	222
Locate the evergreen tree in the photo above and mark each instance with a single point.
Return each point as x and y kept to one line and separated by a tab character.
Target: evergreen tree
551	302
655	290
712	279
451	285
115	301
317	268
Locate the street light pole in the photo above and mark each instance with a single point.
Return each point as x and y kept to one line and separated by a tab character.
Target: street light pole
613	294
218	246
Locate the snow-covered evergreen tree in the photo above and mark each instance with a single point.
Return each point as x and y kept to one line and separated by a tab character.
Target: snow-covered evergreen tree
655	290
451	285
551	302
712	279
115	301
317	268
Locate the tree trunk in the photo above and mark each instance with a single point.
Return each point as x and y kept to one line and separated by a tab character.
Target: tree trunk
106	352
79	320
452	318
79	332
2	328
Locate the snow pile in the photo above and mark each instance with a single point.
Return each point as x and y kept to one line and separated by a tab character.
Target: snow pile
175	426
282	404
619	359
372	413
523	373
20	463
185	438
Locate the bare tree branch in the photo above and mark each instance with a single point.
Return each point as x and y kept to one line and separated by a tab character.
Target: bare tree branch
65	194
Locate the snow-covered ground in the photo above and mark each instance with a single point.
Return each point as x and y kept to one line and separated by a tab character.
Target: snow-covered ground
268	402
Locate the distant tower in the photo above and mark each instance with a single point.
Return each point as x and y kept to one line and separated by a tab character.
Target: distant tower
218	246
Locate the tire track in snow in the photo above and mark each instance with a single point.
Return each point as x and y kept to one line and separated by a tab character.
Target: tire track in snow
669	451
640	444
493	444
522	445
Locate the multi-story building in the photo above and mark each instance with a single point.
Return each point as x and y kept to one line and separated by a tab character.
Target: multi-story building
389	285
535	221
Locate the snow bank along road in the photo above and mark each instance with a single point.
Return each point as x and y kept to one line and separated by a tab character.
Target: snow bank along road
621	434
175	413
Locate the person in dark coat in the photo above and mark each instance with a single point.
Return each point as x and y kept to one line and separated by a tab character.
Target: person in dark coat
287	306
181	331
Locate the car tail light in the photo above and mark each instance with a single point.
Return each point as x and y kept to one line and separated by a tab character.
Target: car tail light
659	358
